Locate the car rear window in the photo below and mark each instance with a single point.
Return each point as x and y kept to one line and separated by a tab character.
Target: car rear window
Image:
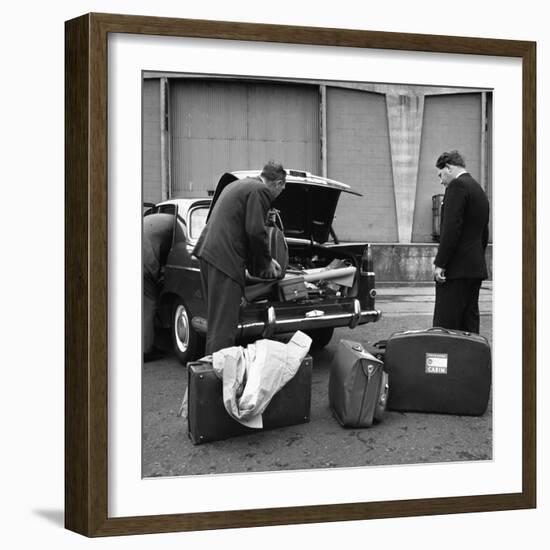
197	221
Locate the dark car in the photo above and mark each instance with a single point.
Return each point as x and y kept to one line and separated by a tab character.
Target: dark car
307	207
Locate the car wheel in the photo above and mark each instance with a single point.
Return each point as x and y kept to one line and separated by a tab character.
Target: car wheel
320	337
185	339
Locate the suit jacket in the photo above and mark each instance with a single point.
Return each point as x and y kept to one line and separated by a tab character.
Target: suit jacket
464	230
236	229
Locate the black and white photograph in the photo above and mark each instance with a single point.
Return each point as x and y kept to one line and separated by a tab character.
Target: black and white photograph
317	274
278	279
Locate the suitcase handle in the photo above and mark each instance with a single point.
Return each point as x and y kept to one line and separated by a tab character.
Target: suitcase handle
446	331
274	219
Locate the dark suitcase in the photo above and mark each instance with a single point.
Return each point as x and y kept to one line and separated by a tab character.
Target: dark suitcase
358	386
278	247
292	289
209	421
439	370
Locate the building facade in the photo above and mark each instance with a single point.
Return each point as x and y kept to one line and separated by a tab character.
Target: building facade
381	139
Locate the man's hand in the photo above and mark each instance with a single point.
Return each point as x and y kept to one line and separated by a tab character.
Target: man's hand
277	267
273	271
439	275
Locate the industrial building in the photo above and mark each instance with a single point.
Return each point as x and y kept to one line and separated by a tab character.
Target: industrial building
381	139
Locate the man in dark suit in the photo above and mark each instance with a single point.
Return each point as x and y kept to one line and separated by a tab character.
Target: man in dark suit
235	231
460	266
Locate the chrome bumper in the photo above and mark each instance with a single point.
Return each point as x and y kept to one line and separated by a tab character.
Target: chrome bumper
272	325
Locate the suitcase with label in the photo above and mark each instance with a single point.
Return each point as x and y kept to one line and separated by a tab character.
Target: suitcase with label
209	421
358	386
439	371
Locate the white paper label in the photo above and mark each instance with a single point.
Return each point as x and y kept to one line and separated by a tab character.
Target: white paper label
436	363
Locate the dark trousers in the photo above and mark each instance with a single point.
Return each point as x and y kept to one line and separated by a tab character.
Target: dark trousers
223	299
456	304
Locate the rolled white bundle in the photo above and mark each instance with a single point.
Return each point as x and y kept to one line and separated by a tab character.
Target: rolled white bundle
341	275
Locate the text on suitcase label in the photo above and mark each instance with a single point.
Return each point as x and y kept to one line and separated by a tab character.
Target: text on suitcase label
436	363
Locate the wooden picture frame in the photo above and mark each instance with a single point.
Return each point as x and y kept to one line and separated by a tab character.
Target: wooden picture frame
86	281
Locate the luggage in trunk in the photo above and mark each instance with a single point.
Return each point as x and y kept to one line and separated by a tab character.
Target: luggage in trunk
439	370
278	248
209	421
292	289
358	386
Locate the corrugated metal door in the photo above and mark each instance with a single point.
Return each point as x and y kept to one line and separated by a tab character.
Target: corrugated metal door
450	122
151	141
223	126
283	124
359	154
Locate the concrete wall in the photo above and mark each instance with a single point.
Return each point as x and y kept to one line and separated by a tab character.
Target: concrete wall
410	262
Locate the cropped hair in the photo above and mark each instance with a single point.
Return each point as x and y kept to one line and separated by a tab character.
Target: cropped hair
273	171
452	157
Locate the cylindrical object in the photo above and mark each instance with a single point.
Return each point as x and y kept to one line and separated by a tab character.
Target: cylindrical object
437	201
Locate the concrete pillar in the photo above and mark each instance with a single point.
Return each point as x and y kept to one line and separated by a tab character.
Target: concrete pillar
405	114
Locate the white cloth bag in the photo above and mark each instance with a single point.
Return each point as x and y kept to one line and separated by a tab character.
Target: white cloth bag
252	376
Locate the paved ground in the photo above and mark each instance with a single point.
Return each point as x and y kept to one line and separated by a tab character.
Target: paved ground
402	300
402	438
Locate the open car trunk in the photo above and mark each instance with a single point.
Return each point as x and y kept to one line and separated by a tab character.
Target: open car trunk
326	285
